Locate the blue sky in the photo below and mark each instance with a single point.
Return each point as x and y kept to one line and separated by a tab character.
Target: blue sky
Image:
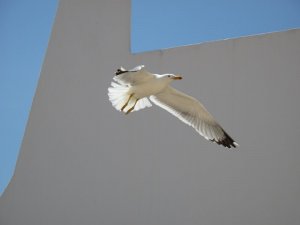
167	23
25	27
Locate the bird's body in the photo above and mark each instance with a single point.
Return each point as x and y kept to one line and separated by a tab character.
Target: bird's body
133	88
146	89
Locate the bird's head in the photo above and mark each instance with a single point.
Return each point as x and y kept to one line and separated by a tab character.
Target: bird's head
170	77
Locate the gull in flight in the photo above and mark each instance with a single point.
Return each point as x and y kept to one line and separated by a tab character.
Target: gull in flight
133	87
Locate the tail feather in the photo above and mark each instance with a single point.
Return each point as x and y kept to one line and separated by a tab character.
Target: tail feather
119	95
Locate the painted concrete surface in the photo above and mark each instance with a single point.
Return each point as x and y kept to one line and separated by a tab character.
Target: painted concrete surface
82	162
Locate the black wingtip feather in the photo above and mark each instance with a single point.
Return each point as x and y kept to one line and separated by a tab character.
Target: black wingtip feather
227	141
120	71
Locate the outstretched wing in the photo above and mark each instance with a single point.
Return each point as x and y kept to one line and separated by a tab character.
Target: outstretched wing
192	112
132	77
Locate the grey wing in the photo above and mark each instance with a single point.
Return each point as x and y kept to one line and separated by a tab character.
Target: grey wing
132	77
192	112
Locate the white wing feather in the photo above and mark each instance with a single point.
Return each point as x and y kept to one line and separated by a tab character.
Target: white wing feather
192	112
134	76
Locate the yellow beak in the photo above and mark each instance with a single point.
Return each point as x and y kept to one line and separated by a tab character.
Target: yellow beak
177	77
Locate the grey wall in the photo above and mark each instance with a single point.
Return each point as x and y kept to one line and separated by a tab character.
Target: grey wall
82	162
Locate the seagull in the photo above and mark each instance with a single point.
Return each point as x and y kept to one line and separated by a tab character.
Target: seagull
132	88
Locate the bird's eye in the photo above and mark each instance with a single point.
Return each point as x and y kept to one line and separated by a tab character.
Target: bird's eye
169	75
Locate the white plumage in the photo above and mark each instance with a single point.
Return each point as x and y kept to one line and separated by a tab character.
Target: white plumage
133	88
